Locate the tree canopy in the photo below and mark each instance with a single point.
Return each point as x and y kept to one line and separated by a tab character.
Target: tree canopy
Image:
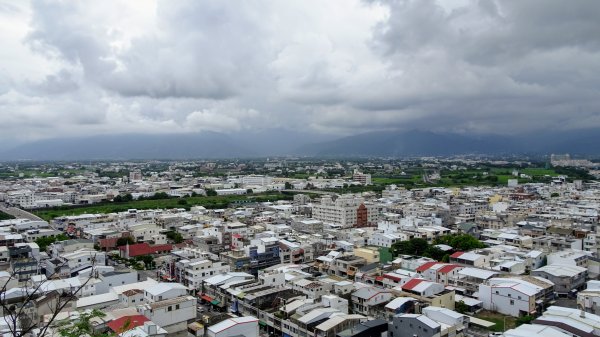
5	216
122	241
123	198
461	242
175	236
420	247
47	241
82	326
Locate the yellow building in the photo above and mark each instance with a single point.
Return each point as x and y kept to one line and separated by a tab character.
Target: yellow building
371	254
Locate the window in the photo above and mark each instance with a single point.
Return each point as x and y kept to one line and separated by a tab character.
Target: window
177	307
512	302
169	308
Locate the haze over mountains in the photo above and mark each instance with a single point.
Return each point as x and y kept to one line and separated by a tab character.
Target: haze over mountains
281	142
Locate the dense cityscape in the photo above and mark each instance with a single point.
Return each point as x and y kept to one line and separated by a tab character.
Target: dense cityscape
460	246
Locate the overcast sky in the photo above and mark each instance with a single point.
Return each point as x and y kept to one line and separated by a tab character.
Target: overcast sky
70	68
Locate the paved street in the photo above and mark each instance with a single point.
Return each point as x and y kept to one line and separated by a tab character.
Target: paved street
19	213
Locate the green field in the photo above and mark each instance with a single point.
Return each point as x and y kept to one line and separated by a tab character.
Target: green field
472	177
393	180
110	207
539	172
5	216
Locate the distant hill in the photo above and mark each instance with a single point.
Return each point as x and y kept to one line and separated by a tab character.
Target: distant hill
425	143
286	142
135	146
166	146
278	142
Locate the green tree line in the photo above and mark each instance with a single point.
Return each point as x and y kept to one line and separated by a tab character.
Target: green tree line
420	247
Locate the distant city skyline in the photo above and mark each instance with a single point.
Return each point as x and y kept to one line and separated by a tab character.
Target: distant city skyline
340	67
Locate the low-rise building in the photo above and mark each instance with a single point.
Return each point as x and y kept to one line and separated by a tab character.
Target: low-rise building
516	296
565	277
365	300
589	299
573	322
413	325
246	326
192	272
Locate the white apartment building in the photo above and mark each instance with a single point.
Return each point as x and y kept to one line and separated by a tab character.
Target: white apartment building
34	234
514	296
171	314
148	233
383	240
192	272
589	299
312	289
346	211
169	306
22	198
70	246
164	291
257	180
70	264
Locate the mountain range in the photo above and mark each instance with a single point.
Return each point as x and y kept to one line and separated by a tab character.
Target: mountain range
280	142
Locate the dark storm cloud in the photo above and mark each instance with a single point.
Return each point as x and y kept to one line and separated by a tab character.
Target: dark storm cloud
514	61
337	66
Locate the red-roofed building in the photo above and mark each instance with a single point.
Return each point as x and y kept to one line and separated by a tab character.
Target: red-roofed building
448	268
439	272
412	283
456	255
426	266
126	323
448	273
141	249
432	292
393	277
392	280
